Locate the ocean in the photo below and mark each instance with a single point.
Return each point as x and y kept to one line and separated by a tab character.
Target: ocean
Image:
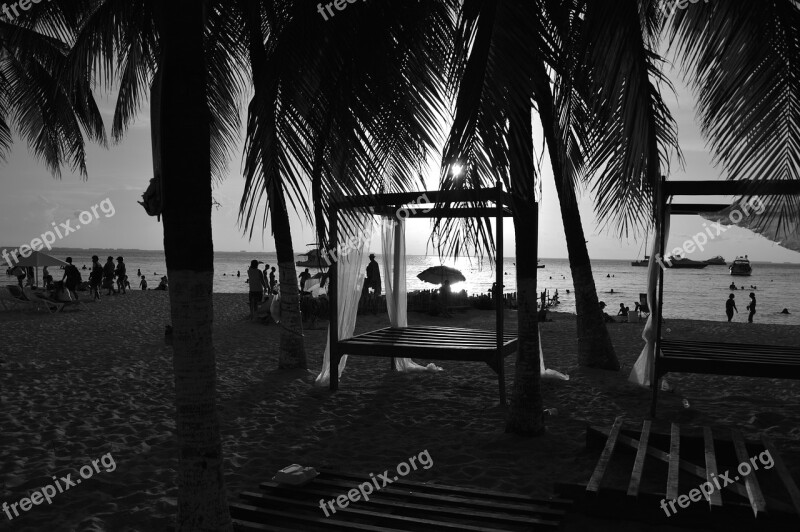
689	294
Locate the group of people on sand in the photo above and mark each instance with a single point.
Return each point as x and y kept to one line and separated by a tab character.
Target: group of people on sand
261	284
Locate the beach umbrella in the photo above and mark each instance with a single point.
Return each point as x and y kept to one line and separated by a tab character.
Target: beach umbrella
440	274
38	259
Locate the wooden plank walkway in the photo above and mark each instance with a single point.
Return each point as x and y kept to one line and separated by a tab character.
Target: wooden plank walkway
401	506
739	502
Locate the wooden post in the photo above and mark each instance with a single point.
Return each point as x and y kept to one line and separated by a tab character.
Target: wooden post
498	293
661	216
396	275
333	333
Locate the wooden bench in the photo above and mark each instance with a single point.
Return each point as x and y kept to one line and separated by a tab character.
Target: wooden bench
741	503
401	506
715	358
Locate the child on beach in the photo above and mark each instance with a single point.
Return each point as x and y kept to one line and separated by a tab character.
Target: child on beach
121	277
256	281
143	284
96	277
730	306
751	307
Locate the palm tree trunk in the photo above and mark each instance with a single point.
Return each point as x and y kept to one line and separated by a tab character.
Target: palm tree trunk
293	352
292	348
525	411
594	343
181	140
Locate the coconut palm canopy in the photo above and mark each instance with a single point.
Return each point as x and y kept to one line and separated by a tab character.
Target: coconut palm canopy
355	104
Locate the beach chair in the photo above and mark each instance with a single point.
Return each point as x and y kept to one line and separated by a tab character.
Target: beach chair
41	301
10	301
644	310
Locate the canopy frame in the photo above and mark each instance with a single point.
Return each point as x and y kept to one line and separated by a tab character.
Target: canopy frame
391	203
665	192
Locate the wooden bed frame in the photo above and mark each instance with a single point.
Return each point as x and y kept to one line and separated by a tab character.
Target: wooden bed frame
715	358
432	343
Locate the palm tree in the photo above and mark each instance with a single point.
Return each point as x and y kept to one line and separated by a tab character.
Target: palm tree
182	131
49	111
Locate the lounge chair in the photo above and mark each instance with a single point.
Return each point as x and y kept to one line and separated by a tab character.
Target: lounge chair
10	300
40	301
644	310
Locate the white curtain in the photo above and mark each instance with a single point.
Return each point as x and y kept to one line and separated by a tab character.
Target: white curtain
761	216
349	279
548	373
393	242
643	368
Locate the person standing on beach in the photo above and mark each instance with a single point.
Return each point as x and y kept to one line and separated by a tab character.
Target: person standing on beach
751	307
255	279
121	277
108	276
72	278
143	284
267	291
305	276
730	306
272	281
374	275
96	277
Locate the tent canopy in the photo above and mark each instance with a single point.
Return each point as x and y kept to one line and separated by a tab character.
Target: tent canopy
38	259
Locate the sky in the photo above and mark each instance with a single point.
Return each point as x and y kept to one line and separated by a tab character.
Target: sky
32	202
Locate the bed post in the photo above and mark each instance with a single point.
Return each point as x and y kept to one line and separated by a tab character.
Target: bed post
396	272
333	331
498	293
661	218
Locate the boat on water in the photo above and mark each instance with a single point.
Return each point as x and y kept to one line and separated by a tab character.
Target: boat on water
314	259
682	263
741	266
642	262
716	261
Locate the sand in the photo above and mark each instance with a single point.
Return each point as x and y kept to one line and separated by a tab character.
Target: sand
79	384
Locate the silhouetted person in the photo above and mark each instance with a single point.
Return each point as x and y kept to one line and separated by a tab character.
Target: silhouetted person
374	275
96	277
730	306
272	281
751	307
72	278
120	272
785	311
143	284
305	276
108	275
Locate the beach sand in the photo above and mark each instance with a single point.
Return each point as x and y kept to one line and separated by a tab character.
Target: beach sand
77	385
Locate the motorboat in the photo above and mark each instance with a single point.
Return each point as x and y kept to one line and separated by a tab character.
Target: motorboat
716	261
314	259
682	263
741	266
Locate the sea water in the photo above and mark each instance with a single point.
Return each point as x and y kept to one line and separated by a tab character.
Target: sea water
690	294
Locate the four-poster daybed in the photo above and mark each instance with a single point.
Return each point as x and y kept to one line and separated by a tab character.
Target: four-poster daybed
715	358
427	342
